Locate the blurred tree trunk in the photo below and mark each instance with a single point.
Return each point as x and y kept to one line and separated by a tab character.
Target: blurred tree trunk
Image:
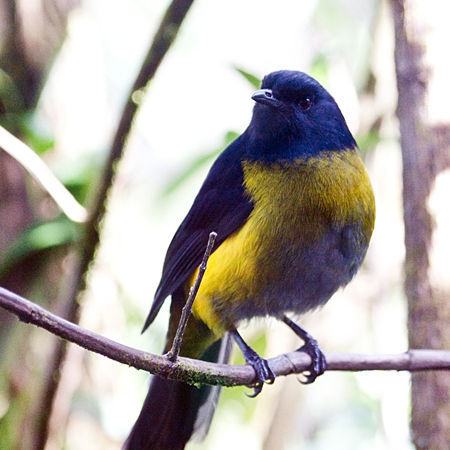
421	62
31	32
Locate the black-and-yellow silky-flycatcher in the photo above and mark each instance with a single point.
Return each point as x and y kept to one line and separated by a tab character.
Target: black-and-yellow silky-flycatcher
293	209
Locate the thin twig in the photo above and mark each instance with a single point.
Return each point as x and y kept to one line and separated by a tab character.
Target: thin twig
201	372
173	353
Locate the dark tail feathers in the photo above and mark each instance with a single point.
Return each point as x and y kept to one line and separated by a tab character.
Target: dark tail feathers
173	411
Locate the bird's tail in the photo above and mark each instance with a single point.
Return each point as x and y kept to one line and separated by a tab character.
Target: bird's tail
173	411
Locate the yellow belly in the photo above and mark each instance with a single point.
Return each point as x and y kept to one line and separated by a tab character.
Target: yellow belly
279	259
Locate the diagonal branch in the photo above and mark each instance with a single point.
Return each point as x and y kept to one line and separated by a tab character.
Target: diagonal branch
173	353
201	372
164	38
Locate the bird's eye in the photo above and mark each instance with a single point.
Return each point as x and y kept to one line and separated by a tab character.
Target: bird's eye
305	103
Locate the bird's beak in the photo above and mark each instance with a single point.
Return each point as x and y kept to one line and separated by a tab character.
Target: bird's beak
266	97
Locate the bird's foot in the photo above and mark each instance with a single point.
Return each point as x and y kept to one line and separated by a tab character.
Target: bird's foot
263	373
311	347
318	361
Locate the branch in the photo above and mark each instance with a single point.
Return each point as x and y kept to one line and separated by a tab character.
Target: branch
37	168
164	38
201	372
162	41
173	353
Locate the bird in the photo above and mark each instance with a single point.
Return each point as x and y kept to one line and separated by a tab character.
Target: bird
293	208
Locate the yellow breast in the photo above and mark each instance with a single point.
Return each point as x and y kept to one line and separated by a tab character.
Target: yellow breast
295	205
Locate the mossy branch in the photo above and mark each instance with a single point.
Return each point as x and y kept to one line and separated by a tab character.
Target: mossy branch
201	372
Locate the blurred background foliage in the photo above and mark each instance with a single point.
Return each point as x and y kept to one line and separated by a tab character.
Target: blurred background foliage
66	67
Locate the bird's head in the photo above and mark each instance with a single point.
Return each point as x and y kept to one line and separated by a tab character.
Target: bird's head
295	114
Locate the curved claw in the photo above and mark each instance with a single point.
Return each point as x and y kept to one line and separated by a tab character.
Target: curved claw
256	391
311	347
318	362
263	373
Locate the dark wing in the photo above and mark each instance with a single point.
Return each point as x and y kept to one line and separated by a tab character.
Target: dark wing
221	206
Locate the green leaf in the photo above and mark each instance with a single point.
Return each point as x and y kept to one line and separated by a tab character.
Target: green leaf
319	68
43	236
368	141
252	79
37	138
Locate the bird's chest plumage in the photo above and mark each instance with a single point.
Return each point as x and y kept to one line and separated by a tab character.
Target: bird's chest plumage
306	236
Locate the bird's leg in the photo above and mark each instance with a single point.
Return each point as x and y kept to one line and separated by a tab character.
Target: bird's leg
263	373
310	347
